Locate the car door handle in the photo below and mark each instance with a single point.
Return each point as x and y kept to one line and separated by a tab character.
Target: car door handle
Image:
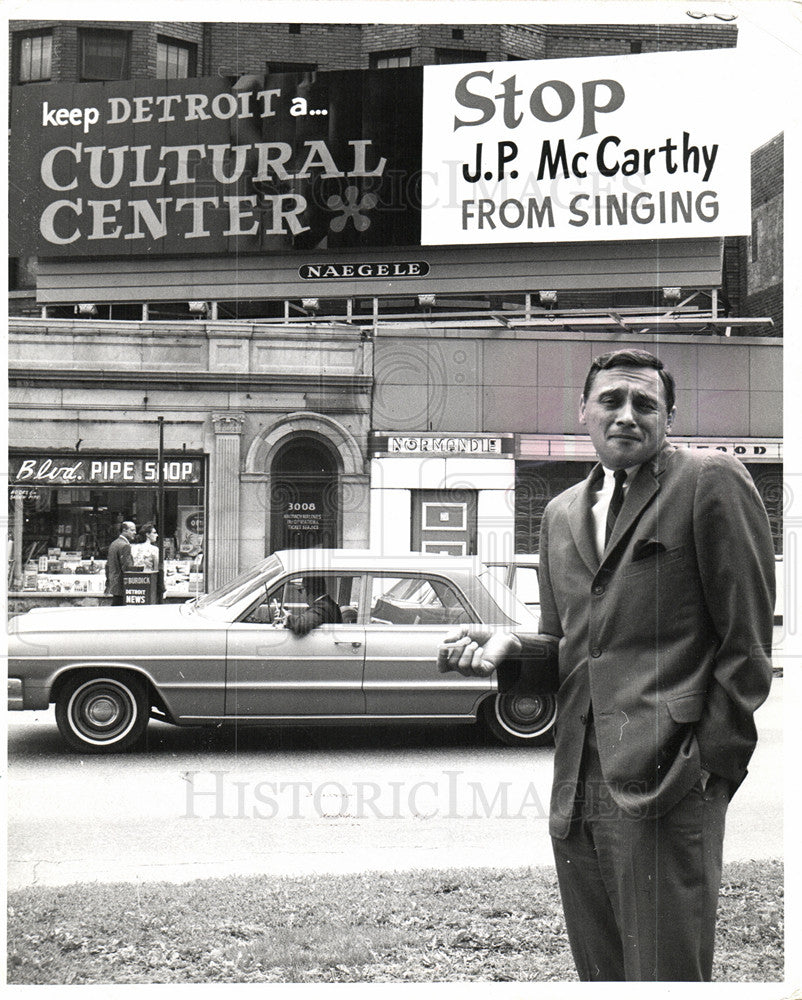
356	643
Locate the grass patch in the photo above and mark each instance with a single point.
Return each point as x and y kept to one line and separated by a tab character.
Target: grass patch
481	925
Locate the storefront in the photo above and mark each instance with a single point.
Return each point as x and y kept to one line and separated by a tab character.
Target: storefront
485	494
443	493
66	507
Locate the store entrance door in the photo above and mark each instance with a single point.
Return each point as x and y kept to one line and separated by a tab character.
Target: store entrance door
444	521
304	511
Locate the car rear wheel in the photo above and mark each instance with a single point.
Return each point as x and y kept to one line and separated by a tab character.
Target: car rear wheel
522	720
102	712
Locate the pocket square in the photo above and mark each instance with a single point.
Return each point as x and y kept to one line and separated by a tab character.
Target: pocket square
646	547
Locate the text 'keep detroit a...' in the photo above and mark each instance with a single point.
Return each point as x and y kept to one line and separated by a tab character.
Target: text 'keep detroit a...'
639	207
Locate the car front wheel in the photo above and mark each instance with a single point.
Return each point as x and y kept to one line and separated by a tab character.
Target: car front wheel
522	720
102	712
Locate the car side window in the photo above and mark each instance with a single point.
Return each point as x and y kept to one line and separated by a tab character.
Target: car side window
348	597
527	588
290	596
498	572
417	600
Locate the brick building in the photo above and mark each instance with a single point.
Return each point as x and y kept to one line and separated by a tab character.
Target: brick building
75	51
763	266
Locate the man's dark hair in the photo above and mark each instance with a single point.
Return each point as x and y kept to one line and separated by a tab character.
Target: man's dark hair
631	359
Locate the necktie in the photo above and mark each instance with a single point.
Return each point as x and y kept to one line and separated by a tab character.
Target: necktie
616	502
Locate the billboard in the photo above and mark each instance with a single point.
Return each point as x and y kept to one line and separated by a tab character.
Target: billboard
558	150
216	165
608	148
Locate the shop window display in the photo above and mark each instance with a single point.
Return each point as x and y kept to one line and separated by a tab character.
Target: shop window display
59	535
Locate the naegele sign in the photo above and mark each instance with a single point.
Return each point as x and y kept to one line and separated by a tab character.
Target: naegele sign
618	148
630	147
368	269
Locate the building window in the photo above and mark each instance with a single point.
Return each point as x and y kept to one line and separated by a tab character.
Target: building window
62	528
291	67
104	55
457	34
294	29
391	59
636	47
755	246
443	57
175	60
537	482
34	57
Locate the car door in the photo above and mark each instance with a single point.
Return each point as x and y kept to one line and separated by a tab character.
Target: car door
407	617
272	673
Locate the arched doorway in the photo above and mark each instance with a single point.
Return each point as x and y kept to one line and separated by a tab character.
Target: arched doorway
304	509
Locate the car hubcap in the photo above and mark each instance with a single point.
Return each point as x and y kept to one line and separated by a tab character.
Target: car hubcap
102	711
525	715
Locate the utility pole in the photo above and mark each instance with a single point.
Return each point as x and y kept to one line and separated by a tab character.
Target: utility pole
160	515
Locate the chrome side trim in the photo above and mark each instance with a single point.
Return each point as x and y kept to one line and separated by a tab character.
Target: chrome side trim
104	659
329	718
191	657
478	683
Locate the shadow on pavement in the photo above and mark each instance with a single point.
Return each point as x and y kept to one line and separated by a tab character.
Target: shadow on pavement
42	740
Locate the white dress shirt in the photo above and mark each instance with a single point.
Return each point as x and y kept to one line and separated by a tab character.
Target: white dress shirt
602	502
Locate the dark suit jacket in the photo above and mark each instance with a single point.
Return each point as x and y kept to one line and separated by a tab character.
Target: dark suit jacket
667	638
118	560
320	612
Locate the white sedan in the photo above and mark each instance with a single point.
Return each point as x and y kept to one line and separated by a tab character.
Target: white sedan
228	656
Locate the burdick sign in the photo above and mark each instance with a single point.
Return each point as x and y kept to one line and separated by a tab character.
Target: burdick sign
609	148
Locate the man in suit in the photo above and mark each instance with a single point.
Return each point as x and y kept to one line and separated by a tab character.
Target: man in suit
322	609
118	560
660	589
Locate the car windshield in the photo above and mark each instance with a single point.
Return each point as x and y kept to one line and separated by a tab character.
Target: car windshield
232	592
516	610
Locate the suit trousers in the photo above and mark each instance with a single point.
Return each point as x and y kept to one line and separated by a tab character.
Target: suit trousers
640	894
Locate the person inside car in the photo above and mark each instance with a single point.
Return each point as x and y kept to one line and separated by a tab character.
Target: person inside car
322	610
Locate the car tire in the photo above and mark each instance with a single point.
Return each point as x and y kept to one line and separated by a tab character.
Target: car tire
521	720
102	712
